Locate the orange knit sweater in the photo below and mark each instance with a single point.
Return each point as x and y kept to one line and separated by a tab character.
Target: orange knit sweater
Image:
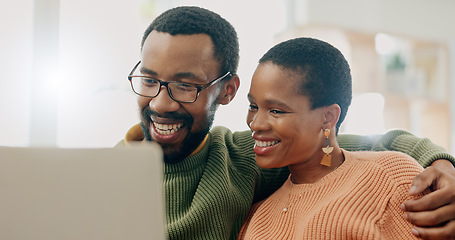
359	200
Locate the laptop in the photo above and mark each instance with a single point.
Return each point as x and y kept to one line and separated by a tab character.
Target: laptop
68	194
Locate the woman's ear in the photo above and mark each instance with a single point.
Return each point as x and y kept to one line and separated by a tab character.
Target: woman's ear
229	90
332	114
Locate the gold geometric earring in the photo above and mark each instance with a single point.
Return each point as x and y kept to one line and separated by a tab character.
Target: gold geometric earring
327	149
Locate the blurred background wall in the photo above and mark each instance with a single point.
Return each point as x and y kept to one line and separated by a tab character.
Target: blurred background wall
63	63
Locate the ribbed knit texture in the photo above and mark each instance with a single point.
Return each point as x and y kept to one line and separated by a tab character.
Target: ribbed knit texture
208	195
359	200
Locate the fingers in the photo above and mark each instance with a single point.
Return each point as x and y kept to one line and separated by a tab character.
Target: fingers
434	208
431	201
444	232
431	218
424	180
434	213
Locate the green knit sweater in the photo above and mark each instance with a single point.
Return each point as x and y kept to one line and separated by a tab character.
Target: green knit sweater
208	195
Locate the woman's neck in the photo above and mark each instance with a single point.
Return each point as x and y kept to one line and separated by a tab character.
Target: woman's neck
311	172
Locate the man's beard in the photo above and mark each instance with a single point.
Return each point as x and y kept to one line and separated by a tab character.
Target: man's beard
191	140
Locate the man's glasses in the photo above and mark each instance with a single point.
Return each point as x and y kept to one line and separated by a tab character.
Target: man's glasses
178	91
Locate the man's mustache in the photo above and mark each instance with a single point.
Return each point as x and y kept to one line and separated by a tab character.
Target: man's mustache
147	113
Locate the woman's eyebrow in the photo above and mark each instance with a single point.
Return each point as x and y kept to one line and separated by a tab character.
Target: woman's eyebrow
269	101
276	102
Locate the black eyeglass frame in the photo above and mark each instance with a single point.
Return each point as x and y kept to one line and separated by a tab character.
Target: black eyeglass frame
163	83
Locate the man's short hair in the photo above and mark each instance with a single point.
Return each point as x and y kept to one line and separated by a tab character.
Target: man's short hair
188	20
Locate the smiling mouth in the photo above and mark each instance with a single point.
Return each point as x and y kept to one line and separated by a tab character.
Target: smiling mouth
167	129
265	143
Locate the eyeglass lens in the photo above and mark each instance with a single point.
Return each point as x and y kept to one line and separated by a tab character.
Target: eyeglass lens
151	87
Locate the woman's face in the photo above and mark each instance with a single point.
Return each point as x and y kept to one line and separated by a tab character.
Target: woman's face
285	128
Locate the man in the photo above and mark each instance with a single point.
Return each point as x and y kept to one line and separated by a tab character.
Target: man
188	68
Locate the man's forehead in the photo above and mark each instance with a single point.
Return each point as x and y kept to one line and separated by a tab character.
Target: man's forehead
179	53
185	43
199	46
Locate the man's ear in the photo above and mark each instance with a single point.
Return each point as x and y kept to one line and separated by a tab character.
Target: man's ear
229	90
332	114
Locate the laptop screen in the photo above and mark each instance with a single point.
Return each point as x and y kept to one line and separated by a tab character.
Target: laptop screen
81	193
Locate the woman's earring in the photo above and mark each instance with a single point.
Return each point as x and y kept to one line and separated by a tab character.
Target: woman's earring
327	149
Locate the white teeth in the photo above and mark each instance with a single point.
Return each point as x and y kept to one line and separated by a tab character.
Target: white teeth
265	143
167	129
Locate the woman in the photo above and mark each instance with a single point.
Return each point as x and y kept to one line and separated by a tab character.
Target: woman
299	96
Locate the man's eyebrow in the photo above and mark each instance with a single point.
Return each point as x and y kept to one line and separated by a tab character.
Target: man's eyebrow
186	75
146	71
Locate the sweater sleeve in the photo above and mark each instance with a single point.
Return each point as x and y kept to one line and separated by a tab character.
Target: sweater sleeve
421	149
393	225
401	171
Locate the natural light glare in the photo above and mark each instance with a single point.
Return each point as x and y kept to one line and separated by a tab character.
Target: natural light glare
54	83
365	115
385	44
95	48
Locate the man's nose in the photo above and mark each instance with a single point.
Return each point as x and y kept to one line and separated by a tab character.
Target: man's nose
163	103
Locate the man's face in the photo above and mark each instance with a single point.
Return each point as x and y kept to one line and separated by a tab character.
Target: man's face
179	127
